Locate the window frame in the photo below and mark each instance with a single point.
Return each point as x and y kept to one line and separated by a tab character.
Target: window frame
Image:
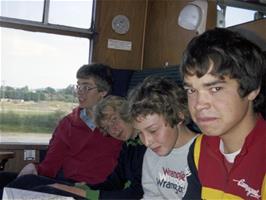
222	5
259	7
46	27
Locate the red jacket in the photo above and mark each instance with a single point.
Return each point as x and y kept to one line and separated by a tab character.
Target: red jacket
82	154
246	179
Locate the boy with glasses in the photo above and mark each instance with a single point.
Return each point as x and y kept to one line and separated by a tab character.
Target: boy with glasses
78	148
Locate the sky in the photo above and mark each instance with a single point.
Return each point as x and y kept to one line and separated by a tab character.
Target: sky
39	60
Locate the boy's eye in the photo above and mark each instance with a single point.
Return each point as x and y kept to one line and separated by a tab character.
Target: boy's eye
153	131
189	90
113	119
215	89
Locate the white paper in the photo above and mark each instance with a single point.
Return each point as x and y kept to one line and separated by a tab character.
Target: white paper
18	194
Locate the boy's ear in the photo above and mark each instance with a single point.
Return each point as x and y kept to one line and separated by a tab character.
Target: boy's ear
181	116
104	93
253	94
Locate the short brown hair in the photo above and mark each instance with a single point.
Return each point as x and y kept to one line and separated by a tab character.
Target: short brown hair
101	74
159	95
117	103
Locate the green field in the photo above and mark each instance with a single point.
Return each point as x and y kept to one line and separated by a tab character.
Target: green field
32	117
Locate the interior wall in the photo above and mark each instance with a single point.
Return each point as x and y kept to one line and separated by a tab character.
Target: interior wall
18	162
106	10
156	38
165	40
255	31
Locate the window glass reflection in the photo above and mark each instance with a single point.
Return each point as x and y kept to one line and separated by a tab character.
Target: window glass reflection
37	82
21	9
71	13
235	16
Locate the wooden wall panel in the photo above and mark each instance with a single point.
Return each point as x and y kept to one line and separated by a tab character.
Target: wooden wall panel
211	15
255	31
165	40
156	37
17	163
107	9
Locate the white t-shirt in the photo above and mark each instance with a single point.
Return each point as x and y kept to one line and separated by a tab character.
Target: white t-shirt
230	157
165	177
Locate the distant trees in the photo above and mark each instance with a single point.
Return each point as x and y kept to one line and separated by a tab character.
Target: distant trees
34	123
46	94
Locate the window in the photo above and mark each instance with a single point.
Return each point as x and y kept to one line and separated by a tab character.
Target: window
76	12
38	68
231	13
235	16
22	9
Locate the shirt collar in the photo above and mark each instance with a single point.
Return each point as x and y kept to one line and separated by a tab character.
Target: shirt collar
88	121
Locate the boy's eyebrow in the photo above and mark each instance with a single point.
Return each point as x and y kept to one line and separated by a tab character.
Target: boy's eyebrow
148	127
185	84
211	83
208	84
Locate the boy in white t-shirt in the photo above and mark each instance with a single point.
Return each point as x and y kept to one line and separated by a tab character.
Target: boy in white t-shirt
159	112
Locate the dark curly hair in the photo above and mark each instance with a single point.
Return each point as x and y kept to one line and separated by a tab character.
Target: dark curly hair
229	54
159	95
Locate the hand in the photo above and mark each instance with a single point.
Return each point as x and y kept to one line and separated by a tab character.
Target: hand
71	189
28	169
89	193
82	185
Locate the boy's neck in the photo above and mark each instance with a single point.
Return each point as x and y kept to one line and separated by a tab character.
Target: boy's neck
234	139
184	135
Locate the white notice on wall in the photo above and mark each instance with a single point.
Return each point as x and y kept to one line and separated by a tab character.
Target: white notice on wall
119	44
29	154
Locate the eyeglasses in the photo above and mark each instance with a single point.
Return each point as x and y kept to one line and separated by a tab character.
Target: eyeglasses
84	88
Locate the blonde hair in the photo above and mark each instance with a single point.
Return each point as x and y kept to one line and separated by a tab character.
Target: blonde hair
117	103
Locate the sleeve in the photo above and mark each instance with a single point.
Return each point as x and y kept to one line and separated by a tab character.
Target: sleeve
148	183
116	179
118	185
194	185
57	149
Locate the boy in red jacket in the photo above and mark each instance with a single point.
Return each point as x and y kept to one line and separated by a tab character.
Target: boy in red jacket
77	149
